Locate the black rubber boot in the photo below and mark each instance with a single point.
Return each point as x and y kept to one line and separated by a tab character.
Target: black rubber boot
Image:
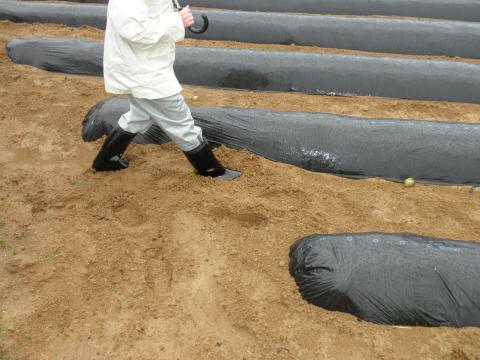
110	156
206	164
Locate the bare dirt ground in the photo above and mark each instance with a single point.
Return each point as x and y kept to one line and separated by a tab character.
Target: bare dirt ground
157	263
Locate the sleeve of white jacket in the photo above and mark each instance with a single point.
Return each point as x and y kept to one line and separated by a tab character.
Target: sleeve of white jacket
132	22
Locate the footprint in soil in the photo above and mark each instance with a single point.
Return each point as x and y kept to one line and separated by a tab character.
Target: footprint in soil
19	263
250	215
128	212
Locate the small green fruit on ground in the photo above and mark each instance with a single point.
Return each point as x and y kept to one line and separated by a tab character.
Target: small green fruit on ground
409	182
194	97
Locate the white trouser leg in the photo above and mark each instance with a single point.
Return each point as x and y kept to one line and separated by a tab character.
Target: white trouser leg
136	120
173	116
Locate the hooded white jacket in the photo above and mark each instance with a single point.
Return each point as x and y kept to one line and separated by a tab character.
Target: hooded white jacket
140	48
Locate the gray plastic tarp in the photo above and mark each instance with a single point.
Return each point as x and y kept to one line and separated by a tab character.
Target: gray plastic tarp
436	152
391	279
318	73
418	37
466	10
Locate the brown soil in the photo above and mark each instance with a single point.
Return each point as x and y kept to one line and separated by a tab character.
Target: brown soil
157	263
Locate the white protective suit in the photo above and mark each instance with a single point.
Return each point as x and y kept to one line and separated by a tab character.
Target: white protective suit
138	60
140	48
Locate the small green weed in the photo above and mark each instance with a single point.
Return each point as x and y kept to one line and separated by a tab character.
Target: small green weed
77	182
3	355
7	247
51	255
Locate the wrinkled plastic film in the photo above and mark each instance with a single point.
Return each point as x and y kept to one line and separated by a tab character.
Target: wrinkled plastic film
316	73
392	279
432	152
57	13
402	36
466	10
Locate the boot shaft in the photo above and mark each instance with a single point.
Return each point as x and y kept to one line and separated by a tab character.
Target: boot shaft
109	157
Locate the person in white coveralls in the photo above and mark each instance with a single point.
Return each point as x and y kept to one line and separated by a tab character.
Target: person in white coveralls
138	60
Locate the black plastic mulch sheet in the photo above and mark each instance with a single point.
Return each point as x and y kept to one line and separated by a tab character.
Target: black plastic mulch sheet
393	279
385	35
466	10
77	15
317	73
444	153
